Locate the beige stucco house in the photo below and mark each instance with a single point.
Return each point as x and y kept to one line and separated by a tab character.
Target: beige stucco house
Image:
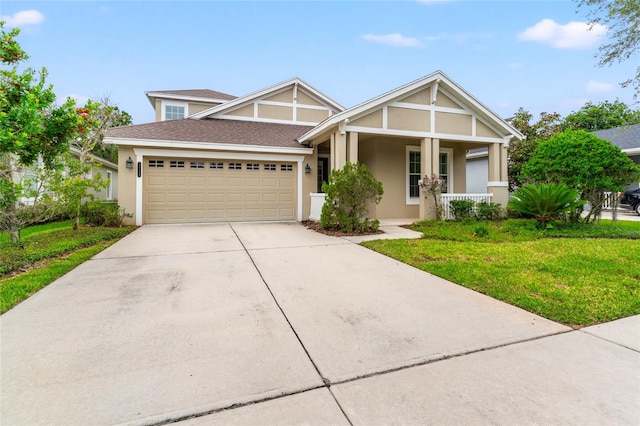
214	157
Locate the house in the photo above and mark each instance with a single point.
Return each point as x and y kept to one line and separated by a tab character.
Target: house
30	177
263	156
627	138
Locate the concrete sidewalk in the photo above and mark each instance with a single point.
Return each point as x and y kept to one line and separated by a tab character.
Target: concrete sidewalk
276	324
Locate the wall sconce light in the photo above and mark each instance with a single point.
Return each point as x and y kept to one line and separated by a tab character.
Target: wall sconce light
129	163
307	169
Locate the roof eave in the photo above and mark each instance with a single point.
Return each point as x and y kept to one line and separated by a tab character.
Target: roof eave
207	146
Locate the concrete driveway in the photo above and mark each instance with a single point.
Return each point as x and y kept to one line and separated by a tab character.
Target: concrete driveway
276	324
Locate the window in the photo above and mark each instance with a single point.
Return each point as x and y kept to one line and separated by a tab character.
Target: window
235	166
216	165
173	112
176	164
253	166
197	164
157	164
270	167
444	170
110	187
286	167
414	172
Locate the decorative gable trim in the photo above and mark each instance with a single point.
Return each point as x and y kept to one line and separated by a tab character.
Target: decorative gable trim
438	83
259	100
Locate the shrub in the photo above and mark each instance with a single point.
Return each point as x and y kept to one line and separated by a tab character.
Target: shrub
544	202
99	213
489	211
43	212
349	191
585	163
462	209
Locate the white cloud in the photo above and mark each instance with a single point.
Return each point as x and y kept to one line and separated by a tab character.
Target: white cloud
396	40
24	17
573	35
598	87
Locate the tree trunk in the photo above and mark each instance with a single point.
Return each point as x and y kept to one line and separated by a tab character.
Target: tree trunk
13	224
76	219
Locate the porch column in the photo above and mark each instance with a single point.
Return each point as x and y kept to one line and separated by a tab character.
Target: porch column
340	151
498	183
429	159
353	147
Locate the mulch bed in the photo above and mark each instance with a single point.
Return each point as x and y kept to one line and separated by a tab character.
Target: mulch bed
315	226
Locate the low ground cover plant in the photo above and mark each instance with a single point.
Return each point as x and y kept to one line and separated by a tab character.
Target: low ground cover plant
575	273
45	253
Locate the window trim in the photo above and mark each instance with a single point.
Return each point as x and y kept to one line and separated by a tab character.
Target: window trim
414	201
164	104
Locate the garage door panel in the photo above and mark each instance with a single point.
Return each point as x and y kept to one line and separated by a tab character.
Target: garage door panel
156	180
173	195
180	181
176	197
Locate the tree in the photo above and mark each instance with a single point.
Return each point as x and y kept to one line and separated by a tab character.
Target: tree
623	19
519	152
349	192
582	161
605	115
32	127
107	115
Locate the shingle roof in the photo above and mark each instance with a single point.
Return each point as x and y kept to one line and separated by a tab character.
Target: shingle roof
200	93
215	131
625	137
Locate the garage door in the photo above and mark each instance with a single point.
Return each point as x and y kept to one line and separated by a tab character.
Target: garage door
198	190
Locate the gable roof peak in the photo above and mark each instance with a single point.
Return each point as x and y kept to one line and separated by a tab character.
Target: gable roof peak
263	92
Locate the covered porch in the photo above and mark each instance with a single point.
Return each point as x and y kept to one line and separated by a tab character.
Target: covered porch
401	162
419	130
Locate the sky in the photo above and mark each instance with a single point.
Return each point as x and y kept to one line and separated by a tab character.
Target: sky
538	55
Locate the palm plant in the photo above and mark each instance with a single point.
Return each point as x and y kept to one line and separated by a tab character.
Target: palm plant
544	202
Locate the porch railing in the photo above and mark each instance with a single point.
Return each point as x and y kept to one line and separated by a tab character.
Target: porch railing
447	198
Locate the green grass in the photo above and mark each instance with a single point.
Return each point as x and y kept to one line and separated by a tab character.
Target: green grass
45	253
578	275
14	290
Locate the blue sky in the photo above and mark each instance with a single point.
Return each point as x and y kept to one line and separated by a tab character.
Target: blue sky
534	54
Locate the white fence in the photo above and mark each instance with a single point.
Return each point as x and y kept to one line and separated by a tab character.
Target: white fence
447	198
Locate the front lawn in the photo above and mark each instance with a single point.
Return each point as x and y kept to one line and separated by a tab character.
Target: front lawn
45	253
574	274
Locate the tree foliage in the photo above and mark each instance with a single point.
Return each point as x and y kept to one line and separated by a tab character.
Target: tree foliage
547	126
622	17
105	115
605	115
583	162
349	192
32	127
544	202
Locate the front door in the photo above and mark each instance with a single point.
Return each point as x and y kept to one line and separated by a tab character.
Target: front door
323	171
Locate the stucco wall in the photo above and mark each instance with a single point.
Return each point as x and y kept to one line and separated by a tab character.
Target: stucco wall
386	157
127	183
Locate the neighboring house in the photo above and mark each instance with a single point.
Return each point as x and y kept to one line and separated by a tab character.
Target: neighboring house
107	169
264	156
627	138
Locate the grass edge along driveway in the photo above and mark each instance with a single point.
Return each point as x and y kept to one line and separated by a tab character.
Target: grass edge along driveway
46	253
573	280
